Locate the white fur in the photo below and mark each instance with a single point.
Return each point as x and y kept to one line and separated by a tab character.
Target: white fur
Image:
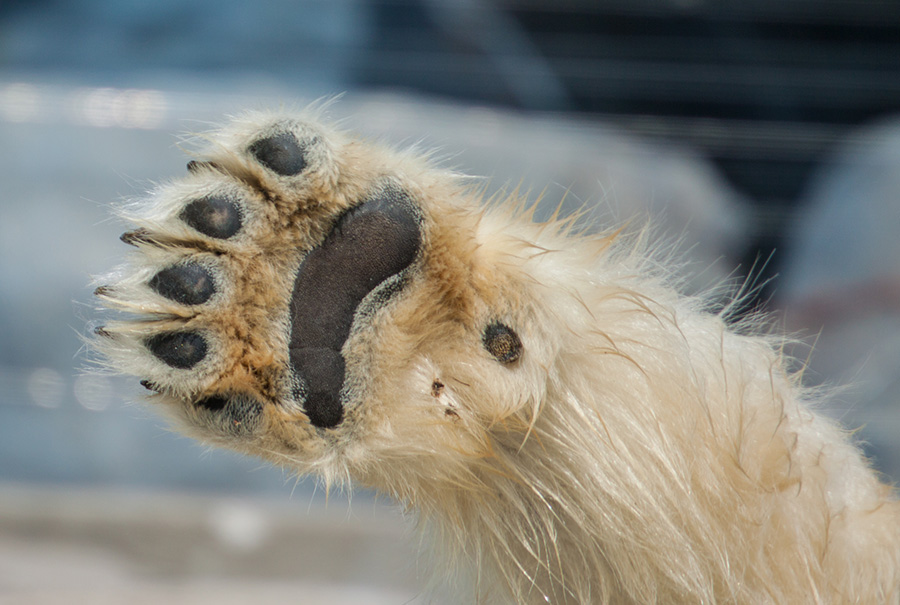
641	450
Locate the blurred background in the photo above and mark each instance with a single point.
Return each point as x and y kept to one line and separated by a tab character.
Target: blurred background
762	138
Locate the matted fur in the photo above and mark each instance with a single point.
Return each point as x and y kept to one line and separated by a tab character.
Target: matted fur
639	451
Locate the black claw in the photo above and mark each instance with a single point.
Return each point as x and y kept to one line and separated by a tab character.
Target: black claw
502	342
196	166
135	237
102	331
188	284
180	350
149	385
102	290
280	153
214	216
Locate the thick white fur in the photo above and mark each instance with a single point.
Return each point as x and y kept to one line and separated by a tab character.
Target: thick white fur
648	453
640	451
669	459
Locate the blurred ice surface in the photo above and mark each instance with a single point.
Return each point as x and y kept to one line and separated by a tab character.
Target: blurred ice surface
842	283
108	547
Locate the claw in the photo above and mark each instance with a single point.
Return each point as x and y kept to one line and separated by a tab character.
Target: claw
135	237
195	166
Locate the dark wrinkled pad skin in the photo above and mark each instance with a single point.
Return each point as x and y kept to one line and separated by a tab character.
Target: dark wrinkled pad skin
238	414
502	342
180	350
370	243
188	284
214	216
280	153
322	370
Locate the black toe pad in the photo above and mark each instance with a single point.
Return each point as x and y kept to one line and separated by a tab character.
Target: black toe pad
188	284
214	216
280	153
369	244
180	350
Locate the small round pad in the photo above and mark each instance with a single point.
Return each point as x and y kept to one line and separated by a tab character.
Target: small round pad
280	153
188	284
502	342
180	350
214	216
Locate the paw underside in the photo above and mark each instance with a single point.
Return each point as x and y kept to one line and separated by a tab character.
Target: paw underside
253	271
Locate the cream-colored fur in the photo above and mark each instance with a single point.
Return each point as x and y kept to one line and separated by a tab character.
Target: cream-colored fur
640	449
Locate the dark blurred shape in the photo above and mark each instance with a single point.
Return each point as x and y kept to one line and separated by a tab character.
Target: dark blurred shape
112	41
842	285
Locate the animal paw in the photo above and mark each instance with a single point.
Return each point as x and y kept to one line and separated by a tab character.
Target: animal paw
320	301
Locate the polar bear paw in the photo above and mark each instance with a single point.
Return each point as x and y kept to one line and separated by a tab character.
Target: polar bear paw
569	428
285	290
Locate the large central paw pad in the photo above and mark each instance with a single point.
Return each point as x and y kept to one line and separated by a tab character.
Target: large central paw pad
252	272
368	248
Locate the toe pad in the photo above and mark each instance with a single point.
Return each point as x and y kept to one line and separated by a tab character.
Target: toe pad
280	153
182	350
213	216
188	284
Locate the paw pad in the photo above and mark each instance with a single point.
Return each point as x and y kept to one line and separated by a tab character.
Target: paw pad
182	350
373	242
188	284
319	377
502	342
280	314
280	153
214	216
